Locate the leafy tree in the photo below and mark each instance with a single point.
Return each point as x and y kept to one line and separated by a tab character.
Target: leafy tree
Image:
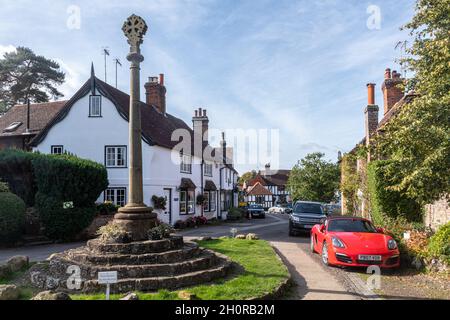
314	179
418	140
247	176
25	75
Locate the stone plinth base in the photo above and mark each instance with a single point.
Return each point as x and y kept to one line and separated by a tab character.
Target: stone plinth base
141	266
137	221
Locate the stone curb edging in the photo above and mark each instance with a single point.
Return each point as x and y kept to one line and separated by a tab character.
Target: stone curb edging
361	288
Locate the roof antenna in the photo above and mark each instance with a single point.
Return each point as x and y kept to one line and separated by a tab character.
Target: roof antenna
117	62
106	54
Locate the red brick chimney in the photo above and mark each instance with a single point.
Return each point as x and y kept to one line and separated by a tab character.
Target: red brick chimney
155	93
392	91
371	112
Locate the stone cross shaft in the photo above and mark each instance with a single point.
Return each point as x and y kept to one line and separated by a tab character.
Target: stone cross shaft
135	217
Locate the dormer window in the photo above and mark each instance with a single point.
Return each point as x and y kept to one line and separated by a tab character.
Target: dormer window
12	127
95	106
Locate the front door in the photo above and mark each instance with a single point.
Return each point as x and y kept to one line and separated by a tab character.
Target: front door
168	211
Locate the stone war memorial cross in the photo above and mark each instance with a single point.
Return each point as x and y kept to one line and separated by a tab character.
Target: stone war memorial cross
136	218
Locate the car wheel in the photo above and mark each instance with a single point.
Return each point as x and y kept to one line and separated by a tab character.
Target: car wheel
312	244
325	254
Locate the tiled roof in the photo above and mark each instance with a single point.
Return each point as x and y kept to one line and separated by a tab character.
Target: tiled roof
157	128
40	115
259	190
210	185
271	178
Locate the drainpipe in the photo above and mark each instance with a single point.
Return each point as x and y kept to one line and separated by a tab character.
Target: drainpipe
220	192
202	188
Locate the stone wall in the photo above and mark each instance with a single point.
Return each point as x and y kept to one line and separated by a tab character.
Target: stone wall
437	214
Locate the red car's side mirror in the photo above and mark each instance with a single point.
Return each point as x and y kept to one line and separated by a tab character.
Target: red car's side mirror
380	230
322	228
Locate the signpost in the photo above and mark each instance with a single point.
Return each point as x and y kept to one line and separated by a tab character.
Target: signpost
107	278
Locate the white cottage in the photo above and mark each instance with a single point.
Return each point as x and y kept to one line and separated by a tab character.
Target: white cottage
93	125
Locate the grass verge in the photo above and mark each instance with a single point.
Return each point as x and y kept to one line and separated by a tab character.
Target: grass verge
263	273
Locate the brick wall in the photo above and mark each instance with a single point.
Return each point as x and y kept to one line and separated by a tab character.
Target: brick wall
437	214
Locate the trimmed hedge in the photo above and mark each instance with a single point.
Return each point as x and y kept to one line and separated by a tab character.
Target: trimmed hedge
16	169
386	202
68	178
12	217
63	224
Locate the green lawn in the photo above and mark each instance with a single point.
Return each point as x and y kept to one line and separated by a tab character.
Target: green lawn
263	273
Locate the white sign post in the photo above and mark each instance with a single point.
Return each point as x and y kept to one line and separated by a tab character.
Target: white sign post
107	278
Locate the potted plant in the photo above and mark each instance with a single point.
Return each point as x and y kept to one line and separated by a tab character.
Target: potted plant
201	200
159	203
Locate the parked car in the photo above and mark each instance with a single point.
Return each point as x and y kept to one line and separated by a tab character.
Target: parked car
304	216
355	242
277	209
256	210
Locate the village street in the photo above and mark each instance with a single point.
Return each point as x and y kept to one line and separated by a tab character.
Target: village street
311	280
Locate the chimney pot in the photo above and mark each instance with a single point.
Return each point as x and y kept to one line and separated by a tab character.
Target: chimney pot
371	93
204	113
161	79
387	74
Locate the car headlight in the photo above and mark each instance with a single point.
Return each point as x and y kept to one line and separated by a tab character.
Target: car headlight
392	245
296	219
337	243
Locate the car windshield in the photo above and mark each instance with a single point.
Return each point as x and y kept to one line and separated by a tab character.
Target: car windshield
255	206
313	208
351	225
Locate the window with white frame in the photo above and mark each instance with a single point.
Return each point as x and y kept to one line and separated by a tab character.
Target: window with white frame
57	150
187	202
207	206
213	201
116	156
118	196
186	164
208	169
95	106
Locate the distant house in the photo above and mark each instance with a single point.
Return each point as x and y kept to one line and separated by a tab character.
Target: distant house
93	124
22	123
268	188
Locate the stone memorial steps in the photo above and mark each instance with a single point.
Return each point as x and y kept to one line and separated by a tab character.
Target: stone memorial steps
153	284
86	256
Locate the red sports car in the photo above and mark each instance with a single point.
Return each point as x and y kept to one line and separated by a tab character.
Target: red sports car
354	242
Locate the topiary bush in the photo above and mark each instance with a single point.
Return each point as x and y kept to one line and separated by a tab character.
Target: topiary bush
12	218
69	178
60	223
235	214
439	245
16	169
385	202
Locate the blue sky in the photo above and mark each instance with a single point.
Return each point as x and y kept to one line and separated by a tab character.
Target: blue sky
297	66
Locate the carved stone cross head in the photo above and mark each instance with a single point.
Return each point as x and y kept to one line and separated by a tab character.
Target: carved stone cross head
134	29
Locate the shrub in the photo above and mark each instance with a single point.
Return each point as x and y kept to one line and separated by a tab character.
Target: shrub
201	200
68	178
190	222
180	225
386	202
12	217
201	221
439	245
60	223
113	233
159	202
4	187
235	214
107	208
161	231
17	170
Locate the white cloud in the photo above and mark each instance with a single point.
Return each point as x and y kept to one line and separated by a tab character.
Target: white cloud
6	49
